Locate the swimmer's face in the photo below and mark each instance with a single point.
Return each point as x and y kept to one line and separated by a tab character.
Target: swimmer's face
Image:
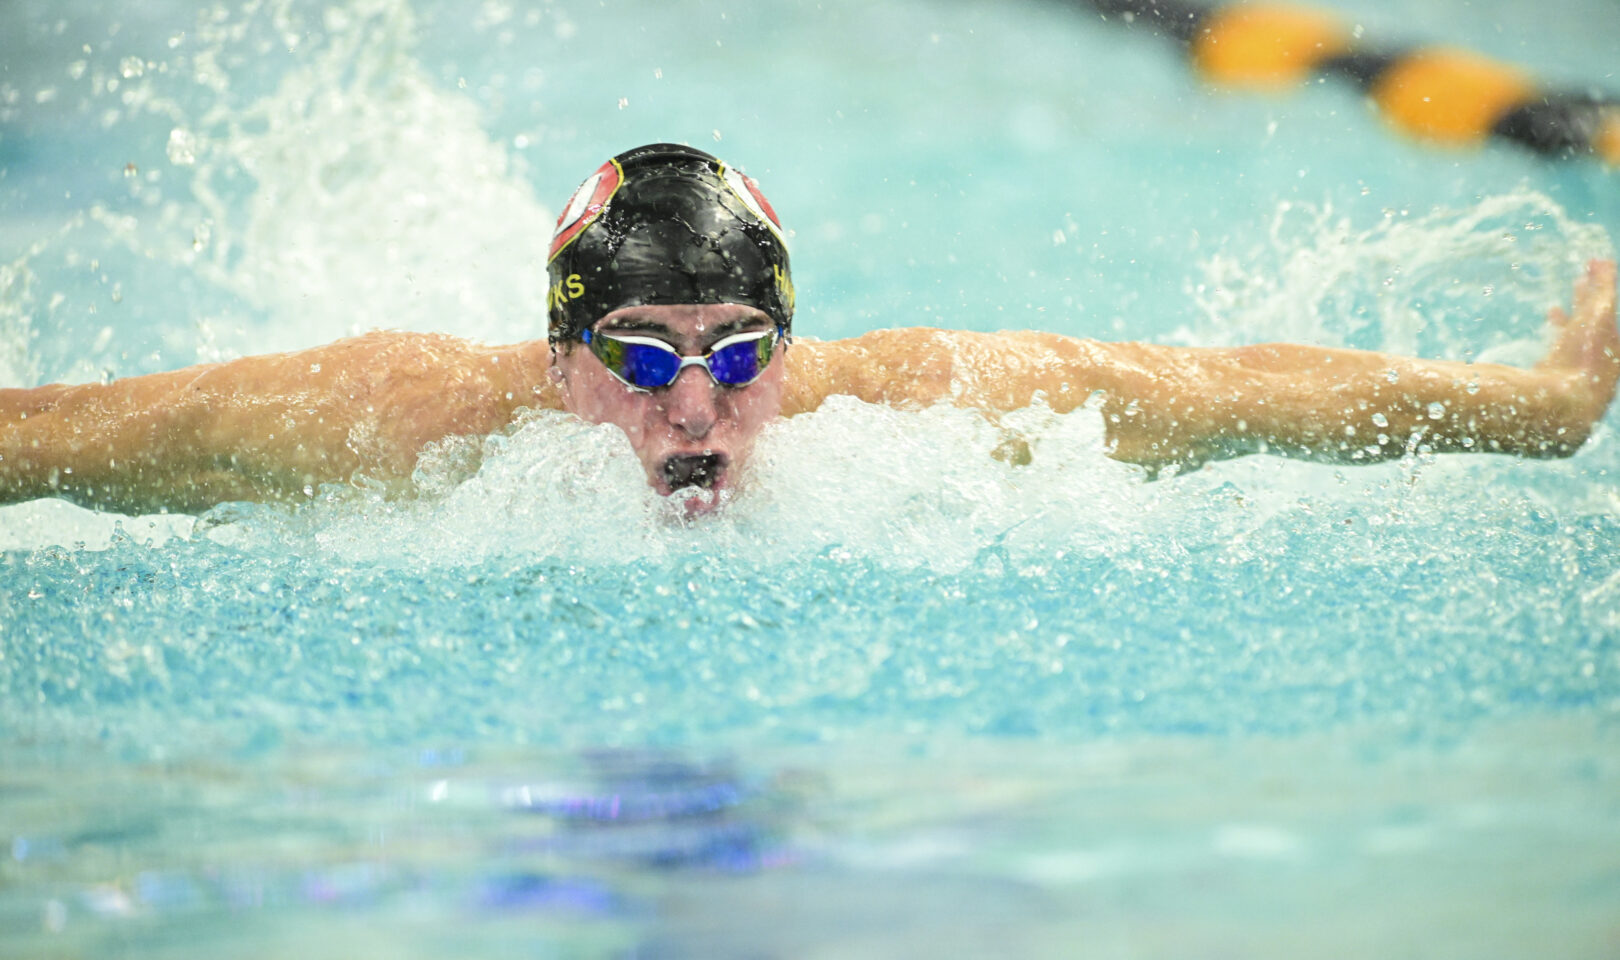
694	432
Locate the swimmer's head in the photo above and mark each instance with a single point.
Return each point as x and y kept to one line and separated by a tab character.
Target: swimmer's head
665	224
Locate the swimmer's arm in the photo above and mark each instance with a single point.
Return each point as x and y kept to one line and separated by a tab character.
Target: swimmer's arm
1168	406
1353	406
260	428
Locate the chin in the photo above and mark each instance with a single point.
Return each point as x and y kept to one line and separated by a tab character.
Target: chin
703	503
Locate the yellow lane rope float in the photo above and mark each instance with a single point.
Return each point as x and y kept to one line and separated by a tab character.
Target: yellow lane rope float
1437	94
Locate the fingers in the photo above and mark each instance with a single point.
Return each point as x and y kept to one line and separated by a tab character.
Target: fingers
1584	336
1595	319
1594	293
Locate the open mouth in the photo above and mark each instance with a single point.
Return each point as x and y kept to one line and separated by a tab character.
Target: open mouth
694	470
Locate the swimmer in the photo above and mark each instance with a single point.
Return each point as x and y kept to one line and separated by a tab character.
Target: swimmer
671	317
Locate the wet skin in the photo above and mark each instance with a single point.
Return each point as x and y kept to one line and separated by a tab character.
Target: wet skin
694	433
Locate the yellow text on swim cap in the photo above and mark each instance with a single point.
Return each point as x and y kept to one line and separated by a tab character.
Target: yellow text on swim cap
784	285
569	288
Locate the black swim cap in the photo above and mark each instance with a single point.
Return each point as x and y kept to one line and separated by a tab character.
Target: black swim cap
665	224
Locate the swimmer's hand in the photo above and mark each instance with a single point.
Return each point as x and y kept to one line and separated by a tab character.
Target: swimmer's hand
1586	342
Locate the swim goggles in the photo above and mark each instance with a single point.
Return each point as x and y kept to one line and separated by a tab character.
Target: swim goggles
646	363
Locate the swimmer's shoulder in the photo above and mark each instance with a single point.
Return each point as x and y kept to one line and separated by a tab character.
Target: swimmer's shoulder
899	366
427	383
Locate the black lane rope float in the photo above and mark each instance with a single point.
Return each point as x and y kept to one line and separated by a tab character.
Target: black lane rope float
1438	94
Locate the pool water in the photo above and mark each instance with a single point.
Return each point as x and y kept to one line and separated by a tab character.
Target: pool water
900	698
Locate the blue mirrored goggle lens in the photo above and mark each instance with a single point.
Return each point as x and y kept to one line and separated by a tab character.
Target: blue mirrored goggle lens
648	366
739	363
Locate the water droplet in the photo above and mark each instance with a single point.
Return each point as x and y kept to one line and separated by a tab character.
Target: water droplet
130	170
76	69
182	147
625	102
1472	387
131	67
1379	420
1392	376
716	136
1436	410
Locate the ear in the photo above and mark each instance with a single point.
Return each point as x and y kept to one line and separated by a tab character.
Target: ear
557	378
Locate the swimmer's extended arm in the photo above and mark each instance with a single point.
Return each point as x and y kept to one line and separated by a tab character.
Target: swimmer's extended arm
259	428
1356	406
1165	406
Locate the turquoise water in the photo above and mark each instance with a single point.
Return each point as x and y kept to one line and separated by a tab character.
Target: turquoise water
901	699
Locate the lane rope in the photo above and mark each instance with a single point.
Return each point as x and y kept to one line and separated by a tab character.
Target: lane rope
1435	94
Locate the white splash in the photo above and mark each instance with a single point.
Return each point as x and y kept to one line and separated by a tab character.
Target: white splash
1410	284
380	200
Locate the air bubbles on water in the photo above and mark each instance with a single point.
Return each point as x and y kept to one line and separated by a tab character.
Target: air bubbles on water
182	147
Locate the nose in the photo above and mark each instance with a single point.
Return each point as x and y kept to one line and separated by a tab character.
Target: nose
689	403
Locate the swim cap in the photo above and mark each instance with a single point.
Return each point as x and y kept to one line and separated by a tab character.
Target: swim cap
665	224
